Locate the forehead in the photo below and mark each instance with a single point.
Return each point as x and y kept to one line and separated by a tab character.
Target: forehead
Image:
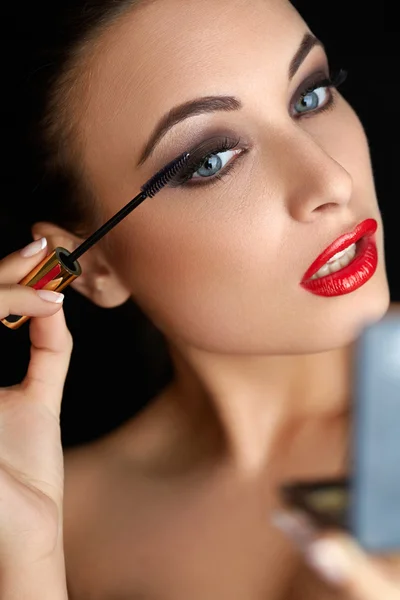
170	51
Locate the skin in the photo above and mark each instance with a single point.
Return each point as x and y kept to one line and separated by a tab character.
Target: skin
176	504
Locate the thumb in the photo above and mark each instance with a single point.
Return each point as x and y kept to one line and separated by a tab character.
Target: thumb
341	561
51	346
338	559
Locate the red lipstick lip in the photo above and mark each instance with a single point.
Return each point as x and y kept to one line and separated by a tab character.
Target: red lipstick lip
365	229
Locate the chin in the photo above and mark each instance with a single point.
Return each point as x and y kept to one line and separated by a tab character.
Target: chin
347	316
316	324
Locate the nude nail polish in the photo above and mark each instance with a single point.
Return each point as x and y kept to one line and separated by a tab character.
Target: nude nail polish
34	248
50	296
329	560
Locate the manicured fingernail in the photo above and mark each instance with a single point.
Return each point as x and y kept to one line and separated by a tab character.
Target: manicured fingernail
34	248
330	560
295	526
50	296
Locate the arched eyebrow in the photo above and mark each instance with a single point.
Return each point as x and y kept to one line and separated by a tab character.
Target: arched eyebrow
210	104
308	42
192	108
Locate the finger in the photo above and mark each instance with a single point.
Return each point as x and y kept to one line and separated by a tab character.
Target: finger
18	264
338	560
20	300
389	566
50	355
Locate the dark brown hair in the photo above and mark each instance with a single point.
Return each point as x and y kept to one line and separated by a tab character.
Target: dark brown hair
60	44
46	53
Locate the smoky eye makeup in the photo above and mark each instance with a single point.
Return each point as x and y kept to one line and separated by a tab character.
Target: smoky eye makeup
218	154
306	100
211	160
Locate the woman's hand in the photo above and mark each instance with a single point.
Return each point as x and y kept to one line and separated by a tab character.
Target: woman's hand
341	562
31	459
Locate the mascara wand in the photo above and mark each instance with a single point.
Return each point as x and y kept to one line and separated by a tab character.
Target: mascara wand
61	267
148	190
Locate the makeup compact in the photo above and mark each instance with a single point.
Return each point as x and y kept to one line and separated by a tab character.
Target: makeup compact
368	503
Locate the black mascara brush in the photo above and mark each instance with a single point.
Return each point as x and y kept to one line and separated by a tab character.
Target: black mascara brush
148	190
61	267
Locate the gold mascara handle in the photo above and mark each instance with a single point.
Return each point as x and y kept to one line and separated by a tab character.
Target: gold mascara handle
54	273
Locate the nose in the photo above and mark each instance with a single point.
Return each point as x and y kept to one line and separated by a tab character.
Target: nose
314	181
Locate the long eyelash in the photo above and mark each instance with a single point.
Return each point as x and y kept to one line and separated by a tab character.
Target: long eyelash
333	82
199	155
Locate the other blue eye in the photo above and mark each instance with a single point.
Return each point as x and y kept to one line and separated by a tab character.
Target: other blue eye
313	100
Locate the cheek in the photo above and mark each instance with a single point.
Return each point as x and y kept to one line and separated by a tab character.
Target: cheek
352	151
197	269
344	139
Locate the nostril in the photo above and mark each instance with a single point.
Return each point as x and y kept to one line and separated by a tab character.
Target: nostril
325	207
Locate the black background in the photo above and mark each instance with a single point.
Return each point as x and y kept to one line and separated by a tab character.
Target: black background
119	361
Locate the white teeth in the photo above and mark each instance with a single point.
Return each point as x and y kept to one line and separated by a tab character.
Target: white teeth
335	266
340	254
337	262
325	270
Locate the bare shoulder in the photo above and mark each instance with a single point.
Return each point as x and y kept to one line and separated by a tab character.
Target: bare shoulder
108	485
95	516
82	492
82	478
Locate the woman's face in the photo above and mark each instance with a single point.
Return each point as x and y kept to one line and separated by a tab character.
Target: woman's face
218	262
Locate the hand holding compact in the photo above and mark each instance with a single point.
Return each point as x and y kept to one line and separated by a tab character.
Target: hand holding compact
340	561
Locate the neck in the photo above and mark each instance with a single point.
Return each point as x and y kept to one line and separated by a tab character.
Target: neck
253	399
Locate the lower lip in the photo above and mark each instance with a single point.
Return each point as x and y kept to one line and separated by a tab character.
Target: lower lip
350	278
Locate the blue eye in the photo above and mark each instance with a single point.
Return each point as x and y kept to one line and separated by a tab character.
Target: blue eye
214	163
313	100
210	161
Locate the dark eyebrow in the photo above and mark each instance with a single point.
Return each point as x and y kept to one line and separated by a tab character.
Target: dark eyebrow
199	106
210	104
308	42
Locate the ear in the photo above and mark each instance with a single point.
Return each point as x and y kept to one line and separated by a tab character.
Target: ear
98	282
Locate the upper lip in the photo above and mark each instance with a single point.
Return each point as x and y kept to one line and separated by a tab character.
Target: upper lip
367	227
